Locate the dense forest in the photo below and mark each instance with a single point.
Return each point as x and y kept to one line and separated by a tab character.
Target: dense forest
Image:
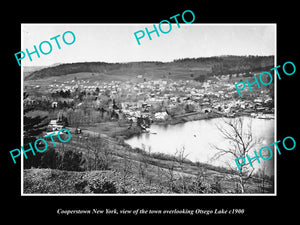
230	64
214	65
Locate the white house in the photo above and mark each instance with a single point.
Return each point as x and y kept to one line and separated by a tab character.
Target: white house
54	126
161	116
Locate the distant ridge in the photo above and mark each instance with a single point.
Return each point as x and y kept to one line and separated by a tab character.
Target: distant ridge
30	69
207	65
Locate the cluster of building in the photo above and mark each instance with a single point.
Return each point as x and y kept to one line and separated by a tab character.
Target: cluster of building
164	97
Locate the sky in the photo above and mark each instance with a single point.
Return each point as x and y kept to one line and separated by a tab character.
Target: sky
117	43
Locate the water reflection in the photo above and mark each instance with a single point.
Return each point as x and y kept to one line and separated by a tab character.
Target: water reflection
197	137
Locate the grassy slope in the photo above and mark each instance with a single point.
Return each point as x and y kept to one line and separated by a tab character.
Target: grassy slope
148	173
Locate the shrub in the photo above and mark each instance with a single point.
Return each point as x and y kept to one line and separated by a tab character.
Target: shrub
49	159
32	161
70	160
81	185
198	185
216	187
102	186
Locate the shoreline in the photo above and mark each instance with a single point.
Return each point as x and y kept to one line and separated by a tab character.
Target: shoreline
154	166
183	119
207	116
202	116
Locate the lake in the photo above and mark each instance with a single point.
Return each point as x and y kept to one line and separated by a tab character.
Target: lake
197	138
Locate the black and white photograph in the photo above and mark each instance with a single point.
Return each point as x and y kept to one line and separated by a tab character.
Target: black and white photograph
131	109
151	111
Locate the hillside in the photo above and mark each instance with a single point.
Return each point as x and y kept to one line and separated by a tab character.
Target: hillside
176	69
53	181
116	168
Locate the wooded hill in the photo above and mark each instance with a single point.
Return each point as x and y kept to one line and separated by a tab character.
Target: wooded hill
197	66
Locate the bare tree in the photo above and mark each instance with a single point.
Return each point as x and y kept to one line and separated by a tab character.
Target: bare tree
175	169
127	167
262	175
180	159
171	173
144	162
240	142
101	154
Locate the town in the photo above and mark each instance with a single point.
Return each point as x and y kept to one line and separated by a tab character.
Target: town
159	100
103	110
